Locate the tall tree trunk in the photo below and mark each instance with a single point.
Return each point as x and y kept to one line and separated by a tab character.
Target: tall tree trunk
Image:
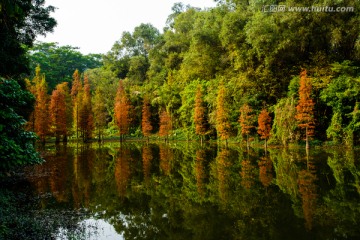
307	138
265	145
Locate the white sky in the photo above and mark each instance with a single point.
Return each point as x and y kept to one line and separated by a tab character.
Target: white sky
94	25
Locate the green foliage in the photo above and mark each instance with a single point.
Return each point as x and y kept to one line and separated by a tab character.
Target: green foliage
335	129
16	145
343	95
129	56
20	22
283	130
257	55
60	62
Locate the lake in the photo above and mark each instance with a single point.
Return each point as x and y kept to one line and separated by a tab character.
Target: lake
182	190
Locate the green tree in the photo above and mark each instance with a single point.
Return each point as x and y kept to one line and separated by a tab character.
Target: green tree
284	127
222	115
20	23
16	148
342	94
60	62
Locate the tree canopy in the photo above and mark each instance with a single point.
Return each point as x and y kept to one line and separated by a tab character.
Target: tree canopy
20	22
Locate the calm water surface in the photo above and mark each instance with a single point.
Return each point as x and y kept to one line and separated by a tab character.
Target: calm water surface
187	191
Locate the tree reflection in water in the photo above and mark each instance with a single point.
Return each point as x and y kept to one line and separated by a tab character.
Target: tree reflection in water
189	191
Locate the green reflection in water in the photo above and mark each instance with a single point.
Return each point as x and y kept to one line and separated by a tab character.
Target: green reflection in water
187	191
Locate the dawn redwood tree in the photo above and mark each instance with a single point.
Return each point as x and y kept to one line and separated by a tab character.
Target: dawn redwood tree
76	95
264	125
41	112
305	108
65	90
199	114
145	121
246	121
122	110
222	115
165	124
58	114
31	87
100	113
86	119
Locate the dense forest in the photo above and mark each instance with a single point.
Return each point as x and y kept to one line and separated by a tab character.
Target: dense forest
233	72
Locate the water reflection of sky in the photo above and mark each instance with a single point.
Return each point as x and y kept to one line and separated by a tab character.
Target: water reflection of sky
90	229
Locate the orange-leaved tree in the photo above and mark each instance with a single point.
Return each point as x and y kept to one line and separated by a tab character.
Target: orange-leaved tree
264	125
305	108
76	95
100	113
64	89
165	124
31	86
222	115
122	111
146	126
86	119
246	121
199	114
41	114
58	114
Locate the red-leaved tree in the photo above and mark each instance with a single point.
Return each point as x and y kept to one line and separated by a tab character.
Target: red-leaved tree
305	108
146	126
41	112
58	114
122	110
264	125
165	124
